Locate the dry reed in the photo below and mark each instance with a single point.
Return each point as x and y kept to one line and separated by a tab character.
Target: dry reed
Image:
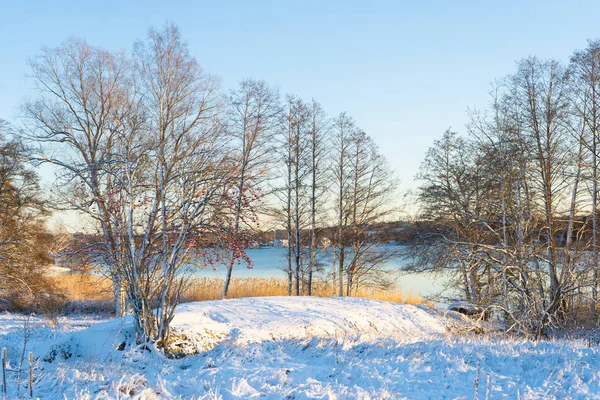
82	287
211	289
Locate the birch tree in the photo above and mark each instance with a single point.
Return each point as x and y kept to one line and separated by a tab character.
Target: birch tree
81	90
189	175
296	161
343	129
498	199
585	68
140	146
365	191
318	146
541	92
254	114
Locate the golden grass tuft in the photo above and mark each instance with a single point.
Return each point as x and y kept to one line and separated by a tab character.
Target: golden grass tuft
393	295
81	287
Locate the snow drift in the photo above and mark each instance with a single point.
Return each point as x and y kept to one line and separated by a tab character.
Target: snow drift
254	320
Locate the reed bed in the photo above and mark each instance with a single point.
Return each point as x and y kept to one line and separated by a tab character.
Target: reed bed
211	289
83	286
88	287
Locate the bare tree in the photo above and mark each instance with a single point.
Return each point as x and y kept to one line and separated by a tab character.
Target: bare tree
141	147
452	194
365	190
255	111
318	146
82	89
294	138
184	149
497	200
343	131
541	92
585	68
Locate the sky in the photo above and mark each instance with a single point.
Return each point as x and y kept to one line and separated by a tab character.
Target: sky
406	71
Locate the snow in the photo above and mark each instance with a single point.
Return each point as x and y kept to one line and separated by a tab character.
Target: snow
56	270
301	348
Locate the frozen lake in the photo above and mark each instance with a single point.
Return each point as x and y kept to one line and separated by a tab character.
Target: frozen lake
270	262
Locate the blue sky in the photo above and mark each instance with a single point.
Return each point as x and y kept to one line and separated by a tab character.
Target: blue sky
405	71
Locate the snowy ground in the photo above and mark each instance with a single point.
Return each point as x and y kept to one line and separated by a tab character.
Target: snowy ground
297	348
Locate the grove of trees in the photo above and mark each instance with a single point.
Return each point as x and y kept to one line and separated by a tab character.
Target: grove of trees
170	171
512	207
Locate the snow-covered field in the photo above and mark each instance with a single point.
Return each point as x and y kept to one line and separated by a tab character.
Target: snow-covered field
298	348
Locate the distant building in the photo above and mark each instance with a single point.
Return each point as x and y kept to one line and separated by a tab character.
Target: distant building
280	243
325	242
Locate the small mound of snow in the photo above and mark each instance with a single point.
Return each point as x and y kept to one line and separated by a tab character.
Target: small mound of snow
255	320
281	318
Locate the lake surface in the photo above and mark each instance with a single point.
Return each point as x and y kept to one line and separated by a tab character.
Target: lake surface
271	262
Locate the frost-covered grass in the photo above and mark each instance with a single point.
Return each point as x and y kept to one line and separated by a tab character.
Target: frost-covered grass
299	348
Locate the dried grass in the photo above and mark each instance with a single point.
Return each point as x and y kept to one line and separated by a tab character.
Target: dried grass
211	288
85	286
88	287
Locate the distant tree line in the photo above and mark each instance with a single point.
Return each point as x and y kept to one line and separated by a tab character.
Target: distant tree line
512	207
